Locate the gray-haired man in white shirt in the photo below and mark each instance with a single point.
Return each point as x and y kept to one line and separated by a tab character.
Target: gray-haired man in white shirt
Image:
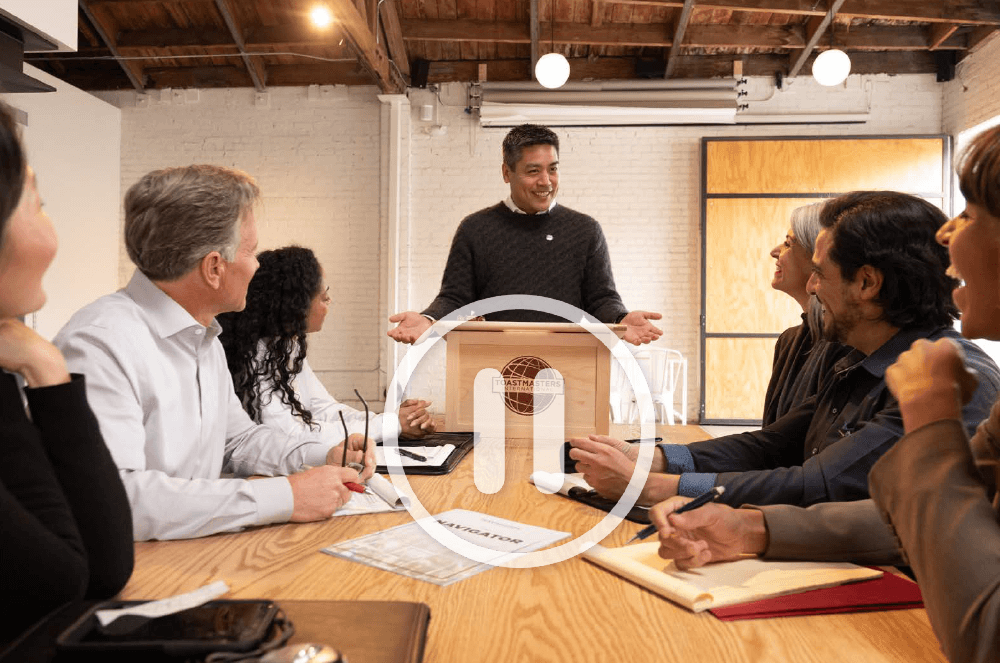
157	377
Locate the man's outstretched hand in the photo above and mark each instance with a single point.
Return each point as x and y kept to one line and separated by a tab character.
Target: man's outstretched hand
640	329
411	326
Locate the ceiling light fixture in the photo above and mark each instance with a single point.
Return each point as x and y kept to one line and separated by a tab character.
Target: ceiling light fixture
552	69
320	16
831	67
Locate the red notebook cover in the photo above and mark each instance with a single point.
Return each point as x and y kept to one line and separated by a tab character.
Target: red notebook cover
889	592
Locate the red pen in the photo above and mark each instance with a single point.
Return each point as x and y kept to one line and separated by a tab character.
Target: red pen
356	487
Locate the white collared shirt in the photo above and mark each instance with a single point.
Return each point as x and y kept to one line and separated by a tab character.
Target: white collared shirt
160	387
325	409
509	202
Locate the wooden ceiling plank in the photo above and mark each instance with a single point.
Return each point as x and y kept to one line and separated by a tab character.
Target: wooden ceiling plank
675	47
394	36
254	67
889	38
611	34
171	37
813	37
742	36
596	13
370	53
938	33
967	12
979	37
132	70
533	20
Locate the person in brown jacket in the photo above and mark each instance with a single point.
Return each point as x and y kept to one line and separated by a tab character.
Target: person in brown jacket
934	501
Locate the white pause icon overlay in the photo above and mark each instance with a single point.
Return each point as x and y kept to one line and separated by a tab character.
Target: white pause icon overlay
548	427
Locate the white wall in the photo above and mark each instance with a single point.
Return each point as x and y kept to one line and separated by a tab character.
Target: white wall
55	19
73	142
317	162
973	96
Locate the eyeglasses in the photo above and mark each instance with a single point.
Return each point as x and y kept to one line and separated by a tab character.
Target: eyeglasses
364	451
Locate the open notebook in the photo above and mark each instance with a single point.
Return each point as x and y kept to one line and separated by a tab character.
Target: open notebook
726	583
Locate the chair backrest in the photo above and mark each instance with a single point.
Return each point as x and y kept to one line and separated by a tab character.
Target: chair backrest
664	368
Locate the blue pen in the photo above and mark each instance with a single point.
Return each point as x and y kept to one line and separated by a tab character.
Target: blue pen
701	500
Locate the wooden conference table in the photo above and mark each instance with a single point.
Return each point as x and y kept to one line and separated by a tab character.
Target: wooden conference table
571	611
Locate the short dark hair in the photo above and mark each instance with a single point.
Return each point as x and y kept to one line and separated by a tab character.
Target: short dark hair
523	136
13	167
979	171
278	301
894	233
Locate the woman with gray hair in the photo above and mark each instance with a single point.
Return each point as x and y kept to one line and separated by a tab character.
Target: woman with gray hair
801	356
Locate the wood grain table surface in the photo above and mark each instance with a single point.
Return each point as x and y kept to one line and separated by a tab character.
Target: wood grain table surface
570	611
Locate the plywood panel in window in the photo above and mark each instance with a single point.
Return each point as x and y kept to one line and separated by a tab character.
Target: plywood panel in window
824	166
737	371
739	236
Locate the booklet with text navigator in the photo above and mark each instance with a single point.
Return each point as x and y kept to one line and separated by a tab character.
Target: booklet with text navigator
410	551
725	583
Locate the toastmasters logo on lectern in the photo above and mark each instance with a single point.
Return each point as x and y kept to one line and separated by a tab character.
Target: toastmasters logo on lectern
523	392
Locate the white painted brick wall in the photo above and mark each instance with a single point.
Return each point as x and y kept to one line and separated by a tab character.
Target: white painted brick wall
973	96
318	164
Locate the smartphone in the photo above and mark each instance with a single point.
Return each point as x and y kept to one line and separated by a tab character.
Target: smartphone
223	625
569	465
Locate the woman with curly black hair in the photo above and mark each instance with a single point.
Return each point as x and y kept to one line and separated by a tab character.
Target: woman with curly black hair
266	348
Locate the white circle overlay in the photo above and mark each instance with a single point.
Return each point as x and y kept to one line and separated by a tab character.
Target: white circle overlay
647	431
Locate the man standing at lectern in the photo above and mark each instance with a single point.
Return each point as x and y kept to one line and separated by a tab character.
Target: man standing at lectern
527	244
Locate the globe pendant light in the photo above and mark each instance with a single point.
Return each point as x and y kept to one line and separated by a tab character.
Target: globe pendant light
831	67
552	70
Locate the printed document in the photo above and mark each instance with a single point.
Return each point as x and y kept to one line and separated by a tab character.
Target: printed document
433	456
379	496
410	551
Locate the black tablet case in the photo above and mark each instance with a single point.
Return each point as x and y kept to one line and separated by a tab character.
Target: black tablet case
463	445
371	631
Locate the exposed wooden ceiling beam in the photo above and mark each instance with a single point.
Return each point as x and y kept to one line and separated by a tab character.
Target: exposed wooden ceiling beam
533	29
675	46
978	38
254	67
394	37
689	66
938	33
370	53
132	70
877	37
968	12
817	27
596	13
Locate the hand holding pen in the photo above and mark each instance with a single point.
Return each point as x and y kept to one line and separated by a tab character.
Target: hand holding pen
699	501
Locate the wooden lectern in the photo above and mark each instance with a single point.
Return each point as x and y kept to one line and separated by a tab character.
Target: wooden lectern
518	351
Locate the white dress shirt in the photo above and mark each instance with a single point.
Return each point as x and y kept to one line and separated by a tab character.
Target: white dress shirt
160	387
325	409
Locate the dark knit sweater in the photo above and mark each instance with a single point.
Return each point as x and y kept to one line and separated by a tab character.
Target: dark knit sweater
562	255
799	367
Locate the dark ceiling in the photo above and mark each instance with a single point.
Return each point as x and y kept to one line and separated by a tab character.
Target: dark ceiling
152	44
